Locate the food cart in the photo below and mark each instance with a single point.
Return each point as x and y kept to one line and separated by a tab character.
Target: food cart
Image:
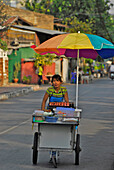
57	131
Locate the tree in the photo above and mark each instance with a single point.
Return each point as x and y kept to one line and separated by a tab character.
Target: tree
3	28
3	45
95	12
3	18
46	59
104	25
84	27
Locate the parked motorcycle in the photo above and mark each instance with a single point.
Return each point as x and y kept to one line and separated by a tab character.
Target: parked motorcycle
112	75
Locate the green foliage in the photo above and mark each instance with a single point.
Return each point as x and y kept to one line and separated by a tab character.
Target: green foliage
3	15
27	79
104	24
43	59
17	68
75	25
99	59
86	12
3	45
87	67
88	60
3	18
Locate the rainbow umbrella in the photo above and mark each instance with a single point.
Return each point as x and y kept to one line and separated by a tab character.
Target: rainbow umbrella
77	45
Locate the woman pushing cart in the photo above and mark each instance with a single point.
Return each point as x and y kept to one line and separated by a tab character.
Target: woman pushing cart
57	128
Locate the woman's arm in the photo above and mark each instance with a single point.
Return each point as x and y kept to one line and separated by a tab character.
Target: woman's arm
66	97
44	101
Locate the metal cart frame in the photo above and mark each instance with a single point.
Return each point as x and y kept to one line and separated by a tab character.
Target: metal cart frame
57	137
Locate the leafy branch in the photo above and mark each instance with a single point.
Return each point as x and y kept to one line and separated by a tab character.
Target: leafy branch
46	59
3	45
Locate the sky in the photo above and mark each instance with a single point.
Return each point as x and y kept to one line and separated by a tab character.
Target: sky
112	9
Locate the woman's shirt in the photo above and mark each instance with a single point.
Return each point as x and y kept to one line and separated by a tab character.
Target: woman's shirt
56	96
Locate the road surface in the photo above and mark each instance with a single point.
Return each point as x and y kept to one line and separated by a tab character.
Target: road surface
96	129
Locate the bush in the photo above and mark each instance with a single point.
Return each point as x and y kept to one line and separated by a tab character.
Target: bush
17	68
3	45
27	79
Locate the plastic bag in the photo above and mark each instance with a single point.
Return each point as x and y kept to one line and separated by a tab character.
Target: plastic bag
37	71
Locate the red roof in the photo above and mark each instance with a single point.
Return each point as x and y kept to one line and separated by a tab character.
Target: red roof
12	20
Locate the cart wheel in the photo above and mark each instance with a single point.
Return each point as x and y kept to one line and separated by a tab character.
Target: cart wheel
77	149
35	145
54	161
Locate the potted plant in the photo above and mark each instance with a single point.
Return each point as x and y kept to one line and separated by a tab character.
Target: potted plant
17	67
27	79
24	80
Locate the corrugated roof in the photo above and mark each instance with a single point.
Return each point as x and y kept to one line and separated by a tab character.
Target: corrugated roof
41	30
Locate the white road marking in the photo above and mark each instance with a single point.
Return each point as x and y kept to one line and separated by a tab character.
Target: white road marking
5	131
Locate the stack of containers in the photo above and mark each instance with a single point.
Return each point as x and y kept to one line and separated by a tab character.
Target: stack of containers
68	112
37	116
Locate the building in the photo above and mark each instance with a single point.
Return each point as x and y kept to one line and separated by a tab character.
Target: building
25	31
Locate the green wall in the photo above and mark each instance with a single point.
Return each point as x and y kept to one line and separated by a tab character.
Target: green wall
16	56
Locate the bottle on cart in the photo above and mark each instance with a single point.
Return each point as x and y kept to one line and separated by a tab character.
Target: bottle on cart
71	105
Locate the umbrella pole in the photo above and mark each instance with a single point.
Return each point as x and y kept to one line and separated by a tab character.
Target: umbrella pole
77	79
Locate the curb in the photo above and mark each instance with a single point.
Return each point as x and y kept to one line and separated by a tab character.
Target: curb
17	93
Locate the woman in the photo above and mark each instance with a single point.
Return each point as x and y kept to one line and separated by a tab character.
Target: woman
55	93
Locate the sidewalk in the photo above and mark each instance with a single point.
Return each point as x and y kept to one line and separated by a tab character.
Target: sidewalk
14	89
17	89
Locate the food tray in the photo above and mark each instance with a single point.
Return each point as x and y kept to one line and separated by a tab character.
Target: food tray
51	119
61	104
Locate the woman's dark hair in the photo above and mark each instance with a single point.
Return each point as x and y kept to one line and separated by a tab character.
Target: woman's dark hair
57	77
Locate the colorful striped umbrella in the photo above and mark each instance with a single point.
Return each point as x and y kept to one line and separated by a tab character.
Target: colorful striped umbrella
77	45
90	46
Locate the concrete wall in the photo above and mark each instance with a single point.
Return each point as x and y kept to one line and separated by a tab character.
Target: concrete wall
37	19
3	68
57	66
27	68
65	70
48	70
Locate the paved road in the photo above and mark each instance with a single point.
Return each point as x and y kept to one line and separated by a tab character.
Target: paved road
96	129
